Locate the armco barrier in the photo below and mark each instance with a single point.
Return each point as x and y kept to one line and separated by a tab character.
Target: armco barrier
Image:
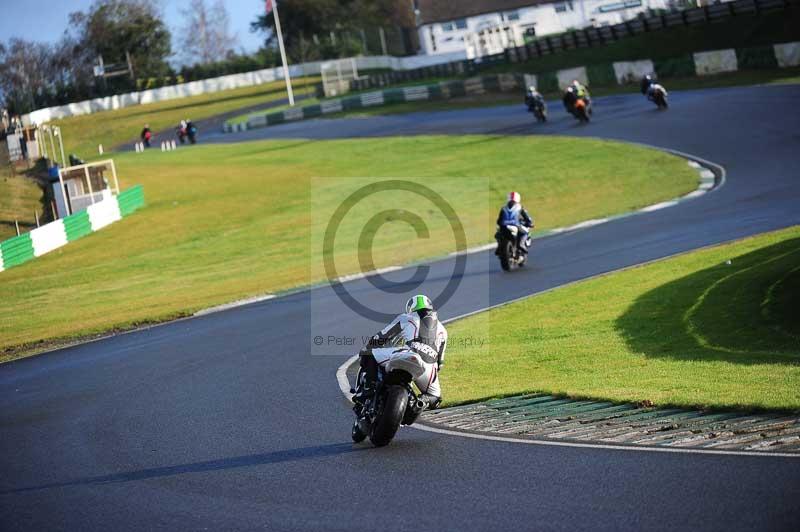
698	64
46	238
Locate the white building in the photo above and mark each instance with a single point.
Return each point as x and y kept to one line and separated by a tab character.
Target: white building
447	26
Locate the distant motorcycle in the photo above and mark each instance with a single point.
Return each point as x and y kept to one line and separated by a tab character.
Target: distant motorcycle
658	95
538	108
191	132
394	402
582	109
654	92
508	249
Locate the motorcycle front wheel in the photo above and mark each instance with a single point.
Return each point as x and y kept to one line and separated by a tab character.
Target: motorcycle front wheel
356	433
388	421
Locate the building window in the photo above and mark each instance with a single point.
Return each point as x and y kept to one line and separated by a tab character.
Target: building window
511	15
563	7
460	24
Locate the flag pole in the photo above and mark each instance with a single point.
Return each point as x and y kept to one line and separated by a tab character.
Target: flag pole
283	53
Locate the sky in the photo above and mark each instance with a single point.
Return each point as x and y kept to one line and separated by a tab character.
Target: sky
46	20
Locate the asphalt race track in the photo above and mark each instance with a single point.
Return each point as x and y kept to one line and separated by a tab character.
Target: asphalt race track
227	421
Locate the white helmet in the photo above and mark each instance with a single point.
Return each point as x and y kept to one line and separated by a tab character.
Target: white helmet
514	197
417	303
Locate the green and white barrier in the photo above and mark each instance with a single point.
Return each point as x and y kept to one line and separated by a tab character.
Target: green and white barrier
54	235
699	64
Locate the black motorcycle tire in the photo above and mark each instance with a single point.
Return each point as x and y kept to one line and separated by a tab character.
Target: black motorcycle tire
388	421
506	254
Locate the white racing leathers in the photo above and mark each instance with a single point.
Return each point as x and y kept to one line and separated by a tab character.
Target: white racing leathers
422	358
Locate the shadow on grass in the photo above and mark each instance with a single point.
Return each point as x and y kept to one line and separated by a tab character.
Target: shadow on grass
730	312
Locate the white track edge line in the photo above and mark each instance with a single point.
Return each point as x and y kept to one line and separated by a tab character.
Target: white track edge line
233	304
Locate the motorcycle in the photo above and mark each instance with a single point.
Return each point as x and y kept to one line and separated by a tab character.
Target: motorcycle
508	251
539	110
393	402
582	110
191	132
659	96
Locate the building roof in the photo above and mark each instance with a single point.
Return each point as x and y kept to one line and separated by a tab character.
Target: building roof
446	10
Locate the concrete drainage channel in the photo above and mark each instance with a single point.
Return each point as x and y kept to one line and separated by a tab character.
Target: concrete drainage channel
548	417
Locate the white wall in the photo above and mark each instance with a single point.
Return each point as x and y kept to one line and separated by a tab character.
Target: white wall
232	81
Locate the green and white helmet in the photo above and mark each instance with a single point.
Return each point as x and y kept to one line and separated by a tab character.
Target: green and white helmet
417	303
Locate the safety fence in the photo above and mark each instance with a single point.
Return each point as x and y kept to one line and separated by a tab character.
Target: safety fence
21	249
583	38
622	72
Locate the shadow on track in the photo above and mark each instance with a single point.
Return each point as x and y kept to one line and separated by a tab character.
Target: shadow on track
276	457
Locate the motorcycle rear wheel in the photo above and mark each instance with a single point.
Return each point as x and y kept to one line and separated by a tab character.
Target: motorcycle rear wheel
394	407
506	255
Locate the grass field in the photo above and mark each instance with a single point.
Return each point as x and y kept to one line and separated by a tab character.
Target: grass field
83	133
693	330
19	198
229	221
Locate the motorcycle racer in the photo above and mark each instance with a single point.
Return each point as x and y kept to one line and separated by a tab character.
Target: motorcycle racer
648	86
513	213
417	337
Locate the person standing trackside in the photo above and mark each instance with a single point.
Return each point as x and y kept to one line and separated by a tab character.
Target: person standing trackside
146	135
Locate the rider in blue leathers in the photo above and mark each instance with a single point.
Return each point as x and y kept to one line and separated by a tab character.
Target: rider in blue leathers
513	213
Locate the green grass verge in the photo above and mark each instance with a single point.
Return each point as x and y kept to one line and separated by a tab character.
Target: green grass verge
224	222
82	134
688	331
20	196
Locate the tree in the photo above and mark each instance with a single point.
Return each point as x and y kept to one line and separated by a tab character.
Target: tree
24	66
111	28
206	38
313	21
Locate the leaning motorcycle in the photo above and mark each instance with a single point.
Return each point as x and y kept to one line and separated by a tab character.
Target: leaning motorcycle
510	255
539	110
582	109
394	402
659	97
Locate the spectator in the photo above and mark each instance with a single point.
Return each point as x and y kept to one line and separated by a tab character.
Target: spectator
146	135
